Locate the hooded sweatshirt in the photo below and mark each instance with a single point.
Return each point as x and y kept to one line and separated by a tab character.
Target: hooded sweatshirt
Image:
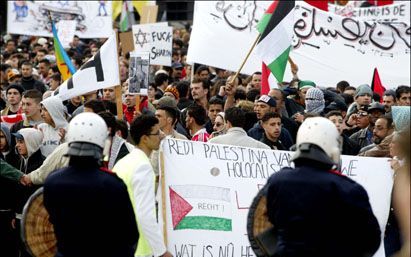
32	138
10	155
51	137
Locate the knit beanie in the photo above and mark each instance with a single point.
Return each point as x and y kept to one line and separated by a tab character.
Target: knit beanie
17	87
401	117
305	83
363	90
314	101
174	91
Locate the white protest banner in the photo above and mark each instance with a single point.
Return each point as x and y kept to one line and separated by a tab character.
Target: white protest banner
93	18
156	39
98	72
209	188
66	30
399	11
328	48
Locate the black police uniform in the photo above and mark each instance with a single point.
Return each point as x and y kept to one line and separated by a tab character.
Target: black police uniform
91	212
319	212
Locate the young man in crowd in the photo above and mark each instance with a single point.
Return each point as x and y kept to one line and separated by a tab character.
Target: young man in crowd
215	105
137	173
271	123
14	94
263	105
27	81
403	96
388	100
31	108
196	118
199	91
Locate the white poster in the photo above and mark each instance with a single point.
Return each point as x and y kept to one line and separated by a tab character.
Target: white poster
328	48
138	73
66	30
93	18
155	39
210	187
98	72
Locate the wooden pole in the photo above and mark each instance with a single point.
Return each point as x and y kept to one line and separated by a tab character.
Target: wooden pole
117	89
163	197
246	58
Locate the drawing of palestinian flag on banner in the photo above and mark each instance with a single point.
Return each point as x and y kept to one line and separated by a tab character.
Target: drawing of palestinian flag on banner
200	207
276	29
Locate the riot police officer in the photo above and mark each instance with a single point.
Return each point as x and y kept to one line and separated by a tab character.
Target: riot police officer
317	211
89	207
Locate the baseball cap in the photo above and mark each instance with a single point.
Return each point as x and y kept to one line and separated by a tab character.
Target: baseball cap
268	100
12	73
176	65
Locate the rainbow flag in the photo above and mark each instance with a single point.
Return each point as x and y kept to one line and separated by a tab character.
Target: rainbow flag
64	64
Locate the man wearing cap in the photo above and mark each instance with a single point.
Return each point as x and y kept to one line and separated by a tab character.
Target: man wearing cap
362	119
266	104
89	207
176	73
363	96
297	105
13	76
13	94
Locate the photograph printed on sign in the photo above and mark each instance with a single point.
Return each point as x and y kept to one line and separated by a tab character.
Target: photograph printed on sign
139	73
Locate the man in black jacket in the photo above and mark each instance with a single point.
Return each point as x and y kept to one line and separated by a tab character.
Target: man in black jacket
315	209
27	81
88	206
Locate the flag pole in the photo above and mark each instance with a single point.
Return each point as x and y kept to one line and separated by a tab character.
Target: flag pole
117	89
163	197
246	58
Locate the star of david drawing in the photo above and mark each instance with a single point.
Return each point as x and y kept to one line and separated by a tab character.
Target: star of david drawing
141	38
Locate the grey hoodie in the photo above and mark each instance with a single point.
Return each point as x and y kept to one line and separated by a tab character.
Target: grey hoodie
51	137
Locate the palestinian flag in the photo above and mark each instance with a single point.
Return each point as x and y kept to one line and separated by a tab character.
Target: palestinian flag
200	207
276	29
376	84
124	22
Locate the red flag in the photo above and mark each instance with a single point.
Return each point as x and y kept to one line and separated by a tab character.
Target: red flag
320	4
380	2
265	85
376	84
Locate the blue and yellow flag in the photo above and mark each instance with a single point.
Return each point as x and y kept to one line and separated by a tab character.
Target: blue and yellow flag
64	64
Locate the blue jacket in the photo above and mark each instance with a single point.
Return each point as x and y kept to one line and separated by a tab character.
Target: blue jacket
91	212
257	133
314	211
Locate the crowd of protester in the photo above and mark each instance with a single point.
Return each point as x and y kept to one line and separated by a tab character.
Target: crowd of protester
191	102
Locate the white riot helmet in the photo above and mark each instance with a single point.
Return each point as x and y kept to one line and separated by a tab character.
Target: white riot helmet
87	133
321	132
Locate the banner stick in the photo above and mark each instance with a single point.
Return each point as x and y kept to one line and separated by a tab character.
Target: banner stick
117	89
163	197
246	58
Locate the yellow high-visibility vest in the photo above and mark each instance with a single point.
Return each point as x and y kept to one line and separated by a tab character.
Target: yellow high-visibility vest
124	169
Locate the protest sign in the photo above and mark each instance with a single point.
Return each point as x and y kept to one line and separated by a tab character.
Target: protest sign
65	31
126	41
138	73
93	18
209	188
394	12
156	39
98	72
323	43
